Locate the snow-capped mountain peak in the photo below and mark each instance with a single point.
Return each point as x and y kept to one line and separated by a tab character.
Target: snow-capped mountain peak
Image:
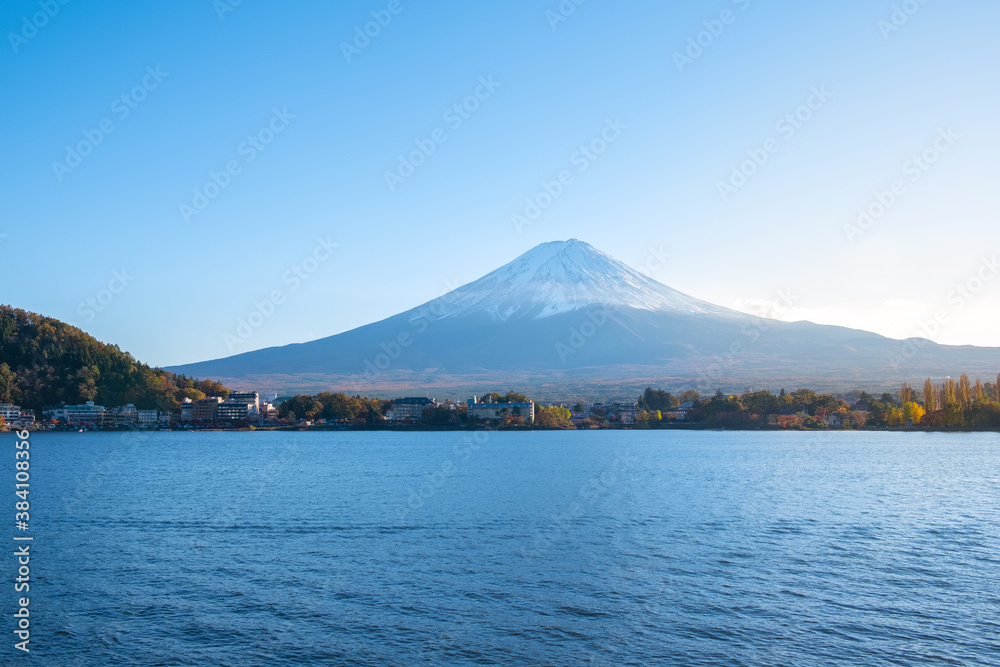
563	276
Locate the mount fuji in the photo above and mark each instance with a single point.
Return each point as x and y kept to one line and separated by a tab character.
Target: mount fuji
568	321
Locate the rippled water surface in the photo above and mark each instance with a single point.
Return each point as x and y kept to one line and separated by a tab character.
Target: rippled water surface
603	548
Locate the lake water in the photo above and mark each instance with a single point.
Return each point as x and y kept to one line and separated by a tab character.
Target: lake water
578	548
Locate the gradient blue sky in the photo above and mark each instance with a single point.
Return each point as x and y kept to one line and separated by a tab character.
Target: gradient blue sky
449	223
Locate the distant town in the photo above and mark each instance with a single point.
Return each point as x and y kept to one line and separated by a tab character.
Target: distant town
952	404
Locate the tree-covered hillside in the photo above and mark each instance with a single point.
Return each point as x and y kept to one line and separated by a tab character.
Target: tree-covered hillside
45	362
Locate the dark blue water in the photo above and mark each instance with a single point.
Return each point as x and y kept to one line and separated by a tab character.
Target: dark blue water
600	548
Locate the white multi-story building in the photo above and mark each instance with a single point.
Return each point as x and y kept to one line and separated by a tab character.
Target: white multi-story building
10	413
240	406
251	398
147	416
493	411
87	413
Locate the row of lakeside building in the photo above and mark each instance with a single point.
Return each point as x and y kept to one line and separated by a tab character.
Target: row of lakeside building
248	408
238	407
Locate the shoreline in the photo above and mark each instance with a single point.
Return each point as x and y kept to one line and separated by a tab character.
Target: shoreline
439	429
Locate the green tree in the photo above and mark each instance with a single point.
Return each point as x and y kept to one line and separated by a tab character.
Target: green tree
721	410
300	407
827	404
213	388
760	402
8	385
802	400
440	415
879	409
341	407
985	415
87	377
657	399
690	396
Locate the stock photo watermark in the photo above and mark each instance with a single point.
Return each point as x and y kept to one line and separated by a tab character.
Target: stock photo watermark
30	25
258	482
914	168
435	480
264	309
595	488
363	35
92	305
590	324
901	15
106	467
22	540
750	333
787	126
249	149
454	116
582	158
964	292
223	7
393	349
122	106
562	13
655	260
705	39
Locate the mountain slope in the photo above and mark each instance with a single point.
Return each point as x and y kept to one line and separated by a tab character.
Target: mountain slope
569	318
563	276
44	362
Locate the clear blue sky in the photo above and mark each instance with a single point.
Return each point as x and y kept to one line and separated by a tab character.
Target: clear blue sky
187	282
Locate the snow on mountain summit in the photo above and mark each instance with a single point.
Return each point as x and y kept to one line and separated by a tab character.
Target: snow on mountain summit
563	276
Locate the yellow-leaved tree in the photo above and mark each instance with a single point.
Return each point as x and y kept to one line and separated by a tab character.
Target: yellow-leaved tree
929	396
913	413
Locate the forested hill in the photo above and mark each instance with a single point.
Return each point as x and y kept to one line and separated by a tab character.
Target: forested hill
45	362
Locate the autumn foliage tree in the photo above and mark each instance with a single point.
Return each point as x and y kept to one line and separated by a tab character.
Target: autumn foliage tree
930	396
962	403
553	416
45	362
